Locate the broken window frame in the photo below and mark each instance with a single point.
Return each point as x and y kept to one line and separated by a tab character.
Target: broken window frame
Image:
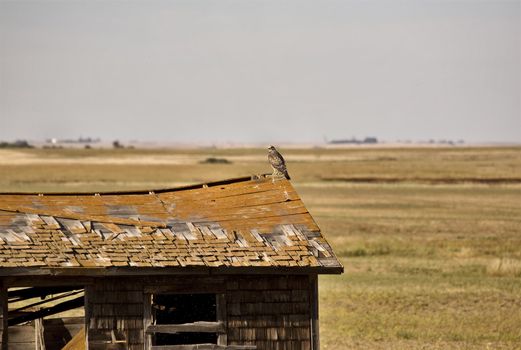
218	327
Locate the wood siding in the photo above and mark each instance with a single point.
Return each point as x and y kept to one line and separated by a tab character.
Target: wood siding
114	314
3	316
272	313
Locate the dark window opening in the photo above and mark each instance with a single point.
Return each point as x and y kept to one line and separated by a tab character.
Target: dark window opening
184	308
172	309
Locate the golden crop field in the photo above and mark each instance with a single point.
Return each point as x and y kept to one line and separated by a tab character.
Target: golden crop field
430	237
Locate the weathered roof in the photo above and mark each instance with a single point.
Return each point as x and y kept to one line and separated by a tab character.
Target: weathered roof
246	222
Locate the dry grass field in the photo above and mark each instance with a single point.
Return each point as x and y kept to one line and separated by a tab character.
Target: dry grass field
430	237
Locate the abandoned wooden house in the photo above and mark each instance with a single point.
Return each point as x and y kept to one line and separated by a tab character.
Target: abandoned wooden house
223	265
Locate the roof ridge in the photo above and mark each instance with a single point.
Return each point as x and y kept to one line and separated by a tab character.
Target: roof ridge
254	177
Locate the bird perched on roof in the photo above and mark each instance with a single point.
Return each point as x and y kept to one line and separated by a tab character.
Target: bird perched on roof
278	163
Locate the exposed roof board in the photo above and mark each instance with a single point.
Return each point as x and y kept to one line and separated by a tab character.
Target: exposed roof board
246	222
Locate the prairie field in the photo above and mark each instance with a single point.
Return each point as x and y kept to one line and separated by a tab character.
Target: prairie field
430	238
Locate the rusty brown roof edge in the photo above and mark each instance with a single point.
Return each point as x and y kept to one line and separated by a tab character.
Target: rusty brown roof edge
150	271
255	177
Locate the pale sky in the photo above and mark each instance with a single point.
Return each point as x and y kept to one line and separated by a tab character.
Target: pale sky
261	71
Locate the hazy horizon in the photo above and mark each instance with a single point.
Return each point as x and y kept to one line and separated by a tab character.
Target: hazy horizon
79	139
261	71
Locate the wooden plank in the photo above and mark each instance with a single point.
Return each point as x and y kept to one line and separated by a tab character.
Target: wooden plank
313	290
64	306
228	190
108	336
89	290
199	327
235	202
183	287
117	346
221	317
38	334
84	217
54	205
264	199
3	316
100	271
266	223
148	271
22	334
147	319
63	295
140	193
204	347
277	210
23	281
77	342
21	346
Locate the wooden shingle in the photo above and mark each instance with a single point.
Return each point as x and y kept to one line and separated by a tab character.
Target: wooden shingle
236	223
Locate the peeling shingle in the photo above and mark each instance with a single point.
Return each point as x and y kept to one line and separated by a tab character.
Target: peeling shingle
194	232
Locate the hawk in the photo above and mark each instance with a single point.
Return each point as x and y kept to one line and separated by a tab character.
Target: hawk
277	163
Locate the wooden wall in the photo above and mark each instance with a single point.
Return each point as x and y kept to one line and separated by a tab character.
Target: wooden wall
22	337
114	314
271	312
3	316
57	332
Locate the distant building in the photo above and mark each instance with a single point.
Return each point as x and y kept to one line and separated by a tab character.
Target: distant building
16	144
367	140
80	140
